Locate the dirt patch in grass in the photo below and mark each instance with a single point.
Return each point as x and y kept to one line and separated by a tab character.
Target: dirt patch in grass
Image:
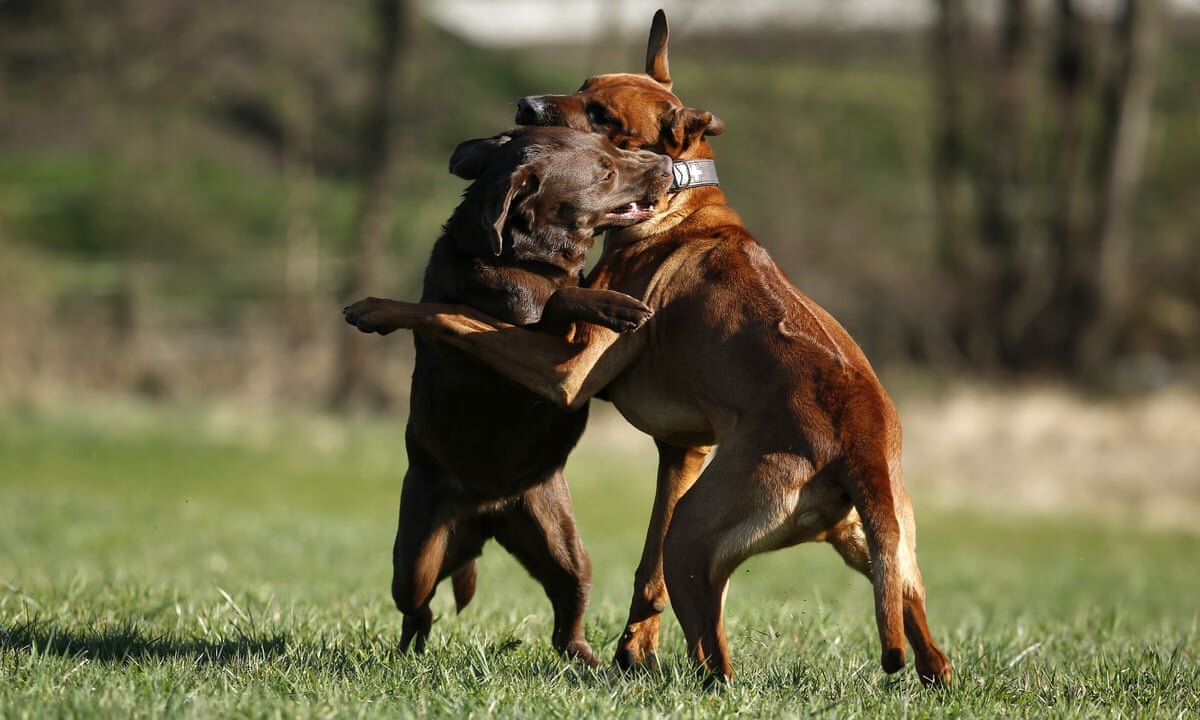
1049	450
1030	450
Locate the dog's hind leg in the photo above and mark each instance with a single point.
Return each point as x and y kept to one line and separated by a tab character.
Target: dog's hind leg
463	581
850	540
431	543
869	484
741	505
539	530
698	595
933	667
678	468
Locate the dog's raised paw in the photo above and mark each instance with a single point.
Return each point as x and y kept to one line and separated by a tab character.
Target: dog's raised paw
625	315
359	314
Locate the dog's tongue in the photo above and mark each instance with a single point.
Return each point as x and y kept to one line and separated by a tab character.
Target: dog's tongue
634	209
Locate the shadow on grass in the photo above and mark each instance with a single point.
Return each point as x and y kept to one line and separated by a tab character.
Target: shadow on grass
125	645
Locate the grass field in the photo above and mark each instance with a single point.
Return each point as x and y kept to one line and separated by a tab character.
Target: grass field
209	562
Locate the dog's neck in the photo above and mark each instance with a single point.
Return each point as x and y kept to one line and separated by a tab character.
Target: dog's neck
693	173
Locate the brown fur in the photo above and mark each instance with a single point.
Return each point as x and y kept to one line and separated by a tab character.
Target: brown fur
486	455
736	356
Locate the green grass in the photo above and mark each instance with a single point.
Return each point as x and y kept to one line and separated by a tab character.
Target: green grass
209	563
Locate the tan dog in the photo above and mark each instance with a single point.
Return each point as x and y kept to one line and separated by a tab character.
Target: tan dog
734	355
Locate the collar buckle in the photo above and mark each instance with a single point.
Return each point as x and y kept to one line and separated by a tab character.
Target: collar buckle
693	173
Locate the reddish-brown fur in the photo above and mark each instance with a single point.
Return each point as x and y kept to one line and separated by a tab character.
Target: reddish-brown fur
809	442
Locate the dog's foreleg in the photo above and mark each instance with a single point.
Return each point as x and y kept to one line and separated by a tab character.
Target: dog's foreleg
678	469
566	370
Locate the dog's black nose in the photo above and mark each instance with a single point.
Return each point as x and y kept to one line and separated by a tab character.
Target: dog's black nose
529	110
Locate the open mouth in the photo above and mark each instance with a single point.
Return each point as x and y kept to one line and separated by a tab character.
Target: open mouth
630	213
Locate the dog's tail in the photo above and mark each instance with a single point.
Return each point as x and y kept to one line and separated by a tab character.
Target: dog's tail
872	491
463	581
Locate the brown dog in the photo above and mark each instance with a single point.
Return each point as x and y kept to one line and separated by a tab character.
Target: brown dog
486	455
735	355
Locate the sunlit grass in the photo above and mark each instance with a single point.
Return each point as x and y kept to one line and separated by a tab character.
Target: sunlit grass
210	563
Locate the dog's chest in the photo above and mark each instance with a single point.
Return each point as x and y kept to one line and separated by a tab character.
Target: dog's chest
491	436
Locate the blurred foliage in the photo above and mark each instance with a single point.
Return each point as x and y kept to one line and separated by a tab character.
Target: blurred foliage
143	145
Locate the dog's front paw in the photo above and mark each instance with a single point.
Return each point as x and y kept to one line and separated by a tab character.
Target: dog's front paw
622	313
370	315
608	308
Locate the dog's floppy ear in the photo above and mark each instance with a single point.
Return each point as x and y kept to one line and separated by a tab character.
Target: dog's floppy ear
689	124
471	157
656	50
524	179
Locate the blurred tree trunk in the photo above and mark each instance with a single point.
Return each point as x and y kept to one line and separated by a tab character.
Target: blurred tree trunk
983	160
1128	96
951	188
359	382
1041	277
1054	330
302	259
1003	208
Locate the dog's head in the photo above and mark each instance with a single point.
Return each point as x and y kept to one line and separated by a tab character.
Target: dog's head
635	111
549	190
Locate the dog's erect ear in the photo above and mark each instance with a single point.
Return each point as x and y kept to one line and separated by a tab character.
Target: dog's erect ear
471	157
690	124
656	50
523	180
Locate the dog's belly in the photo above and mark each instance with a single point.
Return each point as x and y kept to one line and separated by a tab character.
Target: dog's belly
486	437
649	404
